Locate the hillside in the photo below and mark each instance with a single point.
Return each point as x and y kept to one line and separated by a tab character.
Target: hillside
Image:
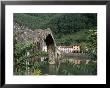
65	26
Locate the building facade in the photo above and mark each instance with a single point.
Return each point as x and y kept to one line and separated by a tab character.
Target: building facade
70	49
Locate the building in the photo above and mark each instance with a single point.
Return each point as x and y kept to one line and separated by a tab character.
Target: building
66	49
70	49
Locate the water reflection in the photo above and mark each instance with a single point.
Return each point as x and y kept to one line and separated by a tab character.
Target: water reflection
52	69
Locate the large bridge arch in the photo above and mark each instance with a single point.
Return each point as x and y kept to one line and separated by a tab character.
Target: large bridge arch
45	38
50	43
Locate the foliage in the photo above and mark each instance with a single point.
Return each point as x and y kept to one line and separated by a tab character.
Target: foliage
92	39
60	23
22	58
42	66
90	45
37	72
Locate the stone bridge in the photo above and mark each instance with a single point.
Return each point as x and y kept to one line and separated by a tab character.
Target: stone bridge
39	37
45	38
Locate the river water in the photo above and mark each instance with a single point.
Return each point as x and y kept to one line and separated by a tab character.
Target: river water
68	64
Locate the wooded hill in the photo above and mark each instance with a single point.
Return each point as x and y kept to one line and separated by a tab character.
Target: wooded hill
61	24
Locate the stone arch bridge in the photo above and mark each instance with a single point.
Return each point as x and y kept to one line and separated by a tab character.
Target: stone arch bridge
40	38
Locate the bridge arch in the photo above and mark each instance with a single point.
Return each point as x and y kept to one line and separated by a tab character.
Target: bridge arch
50	48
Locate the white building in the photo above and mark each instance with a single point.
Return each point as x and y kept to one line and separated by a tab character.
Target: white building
69	49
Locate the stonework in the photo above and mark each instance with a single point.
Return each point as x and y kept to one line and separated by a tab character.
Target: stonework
38	36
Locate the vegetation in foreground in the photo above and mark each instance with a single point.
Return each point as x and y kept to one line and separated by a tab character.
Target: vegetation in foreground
27	63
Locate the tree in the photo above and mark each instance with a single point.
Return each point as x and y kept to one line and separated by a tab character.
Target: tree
92	42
